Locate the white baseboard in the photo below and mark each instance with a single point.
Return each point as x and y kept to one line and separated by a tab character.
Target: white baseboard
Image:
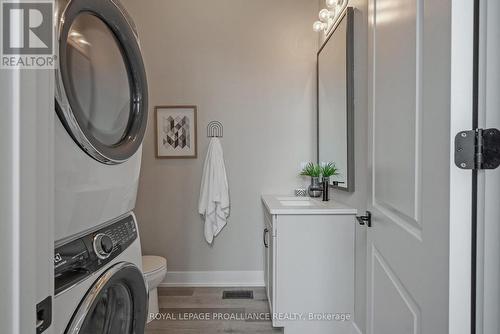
355	329
213	279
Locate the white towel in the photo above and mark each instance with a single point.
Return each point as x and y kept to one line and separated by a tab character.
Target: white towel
214	202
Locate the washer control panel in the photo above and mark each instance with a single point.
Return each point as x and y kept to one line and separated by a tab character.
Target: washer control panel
79	258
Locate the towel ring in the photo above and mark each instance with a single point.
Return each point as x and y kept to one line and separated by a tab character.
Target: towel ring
215	129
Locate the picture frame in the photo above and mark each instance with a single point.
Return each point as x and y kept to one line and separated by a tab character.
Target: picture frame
176	135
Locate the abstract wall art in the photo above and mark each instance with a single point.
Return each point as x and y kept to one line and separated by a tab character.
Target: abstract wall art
176	136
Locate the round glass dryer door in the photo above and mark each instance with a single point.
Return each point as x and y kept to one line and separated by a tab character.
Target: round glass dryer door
117	303
101	92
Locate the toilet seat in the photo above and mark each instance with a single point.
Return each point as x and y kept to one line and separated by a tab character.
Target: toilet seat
153	264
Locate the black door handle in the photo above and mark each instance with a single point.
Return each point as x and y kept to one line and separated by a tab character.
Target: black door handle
264	237
366	219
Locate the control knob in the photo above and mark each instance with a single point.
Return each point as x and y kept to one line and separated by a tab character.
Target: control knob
103	246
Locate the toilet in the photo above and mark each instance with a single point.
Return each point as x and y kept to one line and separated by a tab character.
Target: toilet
154	269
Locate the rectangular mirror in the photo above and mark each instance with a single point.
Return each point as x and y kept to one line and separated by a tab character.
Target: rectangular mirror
336	101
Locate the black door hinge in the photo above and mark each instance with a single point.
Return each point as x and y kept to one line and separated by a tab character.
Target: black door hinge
477	149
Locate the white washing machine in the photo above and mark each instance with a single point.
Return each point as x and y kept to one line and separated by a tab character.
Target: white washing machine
99	285
101	103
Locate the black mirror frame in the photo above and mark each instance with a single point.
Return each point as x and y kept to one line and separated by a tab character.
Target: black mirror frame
349	15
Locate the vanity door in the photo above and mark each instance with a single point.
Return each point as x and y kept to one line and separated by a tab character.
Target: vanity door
271	271
269	262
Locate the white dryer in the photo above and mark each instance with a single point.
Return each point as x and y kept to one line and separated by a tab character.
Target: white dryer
99	285
101	103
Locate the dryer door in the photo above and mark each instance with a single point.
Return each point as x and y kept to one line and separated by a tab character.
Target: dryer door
117	303
101	87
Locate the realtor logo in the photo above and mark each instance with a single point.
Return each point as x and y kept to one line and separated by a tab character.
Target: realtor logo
27	34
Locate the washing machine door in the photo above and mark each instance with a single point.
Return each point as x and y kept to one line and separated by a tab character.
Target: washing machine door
101	86
117	303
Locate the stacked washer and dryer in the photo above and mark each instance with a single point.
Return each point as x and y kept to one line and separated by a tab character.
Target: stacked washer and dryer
101	103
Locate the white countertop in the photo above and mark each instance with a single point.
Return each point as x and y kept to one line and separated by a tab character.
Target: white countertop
290	205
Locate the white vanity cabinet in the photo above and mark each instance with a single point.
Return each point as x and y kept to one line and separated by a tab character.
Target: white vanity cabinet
309	264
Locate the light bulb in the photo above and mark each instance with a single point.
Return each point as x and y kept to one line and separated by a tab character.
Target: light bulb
331	3
325	15
318	26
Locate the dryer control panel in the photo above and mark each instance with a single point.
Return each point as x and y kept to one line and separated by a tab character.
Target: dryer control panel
80	258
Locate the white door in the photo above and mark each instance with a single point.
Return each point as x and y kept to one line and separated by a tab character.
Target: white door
408	244
26	198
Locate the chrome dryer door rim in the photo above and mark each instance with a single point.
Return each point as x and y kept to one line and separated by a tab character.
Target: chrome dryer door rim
123	274
112	13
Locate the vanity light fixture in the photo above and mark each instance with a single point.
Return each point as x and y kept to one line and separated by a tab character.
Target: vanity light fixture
331	3
325	15
319	26
329	16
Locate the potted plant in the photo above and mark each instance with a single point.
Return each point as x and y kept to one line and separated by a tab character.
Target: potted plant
314	172
328	170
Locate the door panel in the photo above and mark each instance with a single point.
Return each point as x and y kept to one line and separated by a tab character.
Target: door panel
409	150
397	108
390	291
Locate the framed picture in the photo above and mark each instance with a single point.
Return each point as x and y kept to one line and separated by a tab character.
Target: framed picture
176	135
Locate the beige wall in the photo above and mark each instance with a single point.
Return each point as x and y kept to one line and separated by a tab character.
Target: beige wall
250	65
359	198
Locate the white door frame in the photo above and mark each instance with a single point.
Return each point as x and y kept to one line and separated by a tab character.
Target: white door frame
488	190
474	229
26	196
462	60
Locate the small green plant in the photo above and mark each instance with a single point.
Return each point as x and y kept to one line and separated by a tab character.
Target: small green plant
329	169
312	170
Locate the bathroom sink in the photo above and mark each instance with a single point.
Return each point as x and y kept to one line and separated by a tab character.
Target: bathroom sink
297	203
292	198
291	205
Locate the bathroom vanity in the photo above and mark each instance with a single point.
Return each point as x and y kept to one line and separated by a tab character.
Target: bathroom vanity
309	264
